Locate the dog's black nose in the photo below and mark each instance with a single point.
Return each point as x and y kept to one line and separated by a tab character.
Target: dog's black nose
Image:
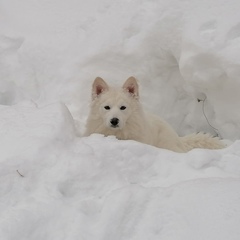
114	122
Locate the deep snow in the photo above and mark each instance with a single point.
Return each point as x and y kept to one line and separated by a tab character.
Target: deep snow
55	184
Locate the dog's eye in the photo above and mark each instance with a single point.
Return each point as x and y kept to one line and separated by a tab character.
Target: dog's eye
122	108
107	107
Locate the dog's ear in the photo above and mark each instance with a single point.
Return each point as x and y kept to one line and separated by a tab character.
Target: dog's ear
131	86
99	86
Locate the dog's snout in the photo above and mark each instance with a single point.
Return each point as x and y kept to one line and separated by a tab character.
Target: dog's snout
114	122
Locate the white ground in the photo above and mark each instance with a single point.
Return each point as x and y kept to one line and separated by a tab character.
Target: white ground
56	185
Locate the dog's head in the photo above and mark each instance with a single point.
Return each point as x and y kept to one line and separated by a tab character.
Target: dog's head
114	106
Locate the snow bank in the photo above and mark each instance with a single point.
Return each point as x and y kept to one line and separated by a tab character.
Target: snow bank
56	185
180	52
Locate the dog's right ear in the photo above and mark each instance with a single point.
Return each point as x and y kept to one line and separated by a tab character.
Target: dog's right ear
131	86
99	86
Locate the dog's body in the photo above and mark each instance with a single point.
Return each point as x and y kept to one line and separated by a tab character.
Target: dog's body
118	112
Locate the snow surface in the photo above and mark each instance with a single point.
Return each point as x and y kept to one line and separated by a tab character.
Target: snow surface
55	184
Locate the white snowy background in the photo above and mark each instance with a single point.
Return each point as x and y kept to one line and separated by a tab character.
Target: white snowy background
57	185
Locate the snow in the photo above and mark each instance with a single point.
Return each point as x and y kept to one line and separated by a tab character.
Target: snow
56	184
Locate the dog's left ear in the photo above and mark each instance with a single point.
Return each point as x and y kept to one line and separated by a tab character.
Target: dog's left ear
99	86
131	86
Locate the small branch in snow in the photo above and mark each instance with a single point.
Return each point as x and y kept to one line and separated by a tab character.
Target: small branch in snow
203	110
19	173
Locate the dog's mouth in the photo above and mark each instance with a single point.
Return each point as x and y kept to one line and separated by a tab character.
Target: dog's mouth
114	126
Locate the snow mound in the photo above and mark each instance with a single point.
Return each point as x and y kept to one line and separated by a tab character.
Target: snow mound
55	185
68	187
24	127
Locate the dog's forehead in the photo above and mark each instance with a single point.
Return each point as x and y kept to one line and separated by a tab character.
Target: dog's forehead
115	97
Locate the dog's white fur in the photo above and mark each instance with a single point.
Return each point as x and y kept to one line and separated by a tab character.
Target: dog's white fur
118	112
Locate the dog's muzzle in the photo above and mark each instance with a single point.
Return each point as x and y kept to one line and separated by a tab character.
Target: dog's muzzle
114	122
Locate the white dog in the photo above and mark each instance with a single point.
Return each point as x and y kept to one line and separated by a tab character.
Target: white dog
118	112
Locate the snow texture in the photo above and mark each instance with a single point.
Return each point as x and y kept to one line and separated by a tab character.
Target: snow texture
57	185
